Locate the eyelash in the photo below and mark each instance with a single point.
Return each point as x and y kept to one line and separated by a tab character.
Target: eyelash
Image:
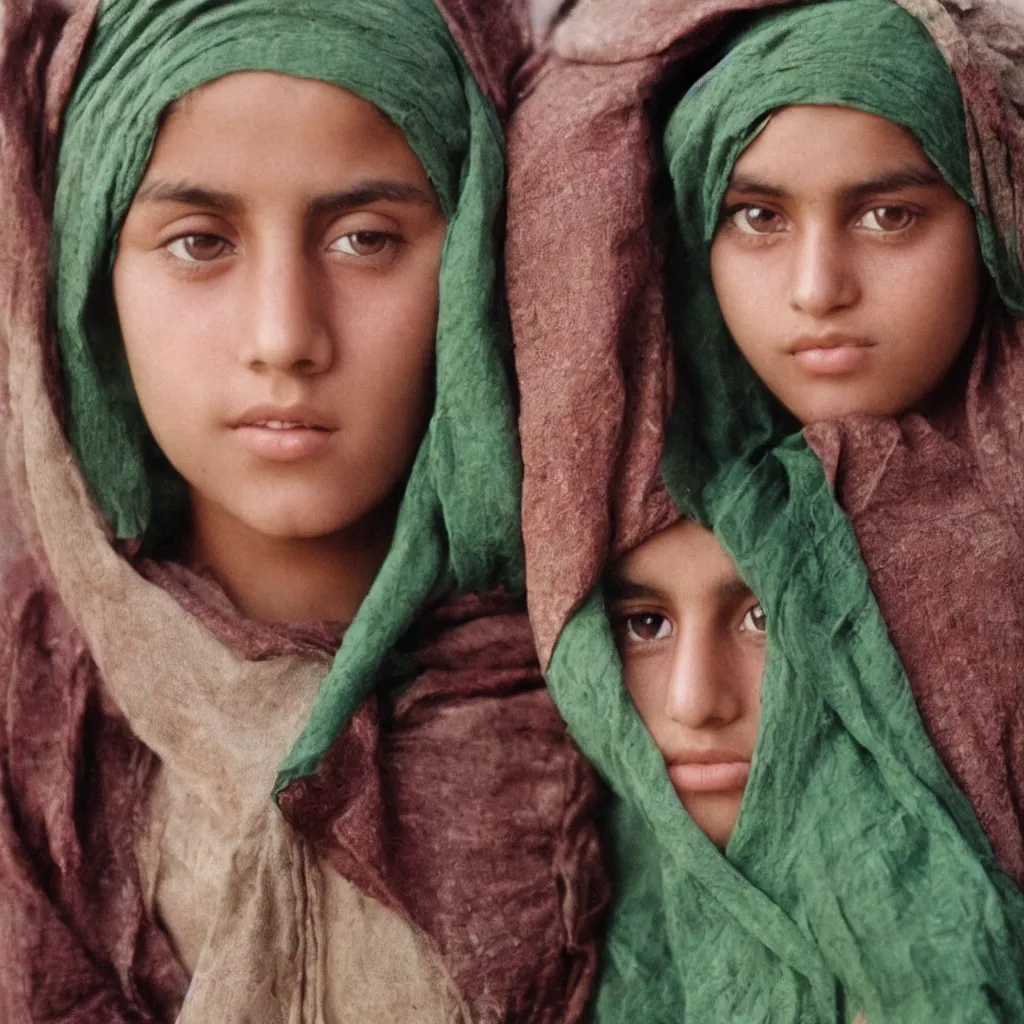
392	242
392	245
191	263
623	628
730	214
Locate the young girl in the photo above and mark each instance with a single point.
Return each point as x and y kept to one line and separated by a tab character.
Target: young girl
691	637
273	411
857	877
848	270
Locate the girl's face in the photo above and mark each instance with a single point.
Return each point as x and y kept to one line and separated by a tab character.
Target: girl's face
276	283
692	640
847	270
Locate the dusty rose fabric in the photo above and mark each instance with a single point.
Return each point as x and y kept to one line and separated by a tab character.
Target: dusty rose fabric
592	355
462	805
77	942
459	810
495	37
936	502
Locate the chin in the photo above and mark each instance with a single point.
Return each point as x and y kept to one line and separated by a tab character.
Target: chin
296	519
835	408
714	814
718	835
301	526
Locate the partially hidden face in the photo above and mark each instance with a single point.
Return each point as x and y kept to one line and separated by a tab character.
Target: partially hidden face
692	638
847	270
276	283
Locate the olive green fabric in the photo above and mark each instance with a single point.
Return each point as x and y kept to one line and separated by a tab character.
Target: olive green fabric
857	877
458	526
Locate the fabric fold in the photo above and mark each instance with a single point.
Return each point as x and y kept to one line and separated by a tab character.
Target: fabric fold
143	719
858	865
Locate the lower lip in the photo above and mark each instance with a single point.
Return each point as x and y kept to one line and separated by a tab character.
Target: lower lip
288	445
717	777
837	361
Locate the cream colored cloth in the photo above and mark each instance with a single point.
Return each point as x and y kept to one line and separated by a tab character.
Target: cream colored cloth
270	935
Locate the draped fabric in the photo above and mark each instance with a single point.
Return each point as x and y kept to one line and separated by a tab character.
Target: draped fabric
880	61
458	526
434	856
858	877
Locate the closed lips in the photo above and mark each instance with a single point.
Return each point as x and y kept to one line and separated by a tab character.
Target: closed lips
281	425
829	341
284	418
726	774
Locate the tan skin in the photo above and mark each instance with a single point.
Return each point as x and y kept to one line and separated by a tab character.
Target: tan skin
847	270
692	640
276	282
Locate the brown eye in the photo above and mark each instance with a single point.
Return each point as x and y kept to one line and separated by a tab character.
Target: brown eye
755	621
199	248
755	220
363	243
887	218
645	627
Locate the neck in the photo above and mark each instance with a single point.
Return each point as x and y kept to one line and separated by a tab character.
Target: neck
291	579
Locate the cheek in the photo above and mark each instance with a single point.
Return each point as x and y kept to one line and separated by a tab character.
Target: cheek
957	289
746	292
146	329
643	679
391	345
934	300
169	349
751	673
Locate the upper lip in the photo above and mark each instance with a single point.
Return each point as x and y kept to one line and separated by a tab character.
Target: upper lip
829	341
706	757
301	415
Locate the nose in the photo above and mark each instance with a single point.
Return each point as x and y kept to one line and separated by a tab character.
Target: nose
701	693
823	272
287	326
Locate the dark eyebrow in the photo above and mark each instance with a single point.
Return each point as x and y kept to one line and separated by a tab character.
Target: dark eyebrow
369	192
160	191
363	194
746	183
732	590
620	589
896	181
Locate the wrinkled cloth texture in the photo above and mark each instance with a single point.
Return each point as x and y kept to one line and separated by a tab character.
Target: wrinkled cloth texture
971	696
434	856
858	878
394	813
458	523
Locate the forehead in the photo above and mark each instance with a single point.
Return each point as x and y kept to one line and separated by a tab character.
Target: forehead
809	148
684	563
251	127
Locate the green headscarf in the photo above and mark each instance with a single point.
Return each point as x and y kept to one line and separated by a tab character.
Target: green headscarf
867	54
857	877
458	526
